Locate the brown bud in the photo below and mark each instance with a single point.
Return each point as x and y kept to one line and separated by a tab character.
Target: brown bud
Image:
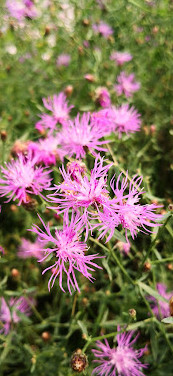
68	90
79	361
85	301
26	113
86	22
132	313
80	50
155	29
13	208
15	274
3	136
30	204
152	129
171	306
170	207
10	118
46	336
47	30
170	267
147	266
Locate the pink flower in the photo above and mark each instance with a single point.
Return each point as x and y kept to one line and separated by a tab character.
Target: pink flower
126	119
47	150
20	9
126	84
84	193
22	177
28	249
104	120
47	122
103	97
120	57
58	106
122	360
103	28
123	247
2	250
125	209
63	60
161	309
67	252
76	169
81	135
9	313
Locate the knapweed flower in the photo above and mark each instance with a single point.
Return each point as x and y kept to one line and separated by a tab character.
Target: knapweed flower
103	28
84	194
20	9
126	84
67	253
126	210
81	135
122	360
29	249
104	120
63	60
9	312
120	57
58	105
76	169
47	123
160	308
103	97
22	177
126	119
123	247
47	150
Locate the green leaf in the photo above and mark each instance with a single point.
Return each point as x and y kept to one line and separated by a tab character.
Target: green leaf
82	327
151	292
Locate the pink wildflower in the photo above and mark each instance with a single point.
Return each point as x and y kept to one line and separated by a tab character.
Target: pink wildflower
47	122
122	360
123	247
68	253
47	150
80	135
161	309
20	9
103	28
126	84
104	120
58	106
29	249
63	60
126	119
9	313
120	57
103	97
22	177
125	209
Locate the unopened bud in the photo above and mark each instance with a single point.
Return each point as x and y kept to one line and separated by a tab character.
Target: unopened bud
89	77
78	361
3	136
80	50
68	90
132	313
152	129
170	207
15	274
170	267
46	336
13	208
147	266
47	30
171	306
86	22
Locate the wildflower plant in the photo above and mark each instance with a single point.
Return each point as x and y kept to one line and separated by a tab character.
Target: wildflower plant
85	188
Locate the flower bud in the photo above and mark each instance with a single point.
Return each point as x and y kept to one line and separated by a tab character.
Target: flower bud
30	204
89	77
171	306
170	207
85	22
147	266
132	313
78	361
46	336
3	136
15	274
68	90
170	267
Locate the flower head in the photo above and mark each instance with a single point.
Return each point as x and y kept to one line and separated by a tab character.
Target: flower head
123	247
47	150
126	119
103	97
126	84
58	105
20	9
63	60
103	28
120	57
122	360
160	308
22	177
67	252
9	313
80	135
29	249
47	122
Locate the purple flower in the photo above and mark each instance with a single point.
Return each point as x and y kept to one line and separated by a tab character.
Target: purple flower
161	309
126	84
104	120
123	247
120	57
28	249
126	119
81	135
122	360
47	150
103	97
20	9
22	177
102	28
76	169
58	106
67	252
9	313
125	209
47	122
63	60
84	193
